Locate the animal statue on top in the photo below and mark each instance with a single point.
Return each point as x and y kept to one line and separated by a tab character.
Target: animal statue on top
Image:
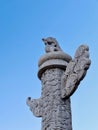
51	44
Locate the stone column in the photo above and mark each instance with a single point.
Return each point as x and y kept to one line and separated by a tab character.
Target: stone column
56	112
60	77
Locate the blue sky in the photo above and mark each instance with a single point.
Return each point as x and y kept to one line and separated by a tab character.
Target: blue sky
23	23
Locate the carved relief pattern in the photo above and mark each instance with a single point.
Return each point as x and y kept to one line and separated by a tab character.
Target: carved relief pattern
75	71
60	76
56	111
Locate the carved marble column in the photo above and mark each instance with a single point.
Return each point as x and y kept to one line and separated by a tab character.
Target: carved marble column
60	76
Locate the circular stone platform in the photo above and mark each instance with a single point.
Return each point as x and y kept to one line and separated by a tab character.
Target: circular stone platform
56	59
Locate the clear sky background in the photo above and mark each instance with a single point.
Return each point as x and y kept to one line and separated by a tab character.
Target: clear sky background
23	23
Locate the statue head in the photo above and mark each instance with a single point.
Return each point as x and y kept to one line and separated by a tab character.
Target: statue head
51	44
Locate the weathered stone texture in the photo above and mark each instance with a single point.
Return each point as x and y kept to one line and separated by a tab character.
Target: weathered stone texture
60	76
56	111
75	71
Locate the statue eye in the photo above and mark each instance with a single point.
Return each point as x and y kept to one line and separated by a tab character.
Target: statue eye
49	43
